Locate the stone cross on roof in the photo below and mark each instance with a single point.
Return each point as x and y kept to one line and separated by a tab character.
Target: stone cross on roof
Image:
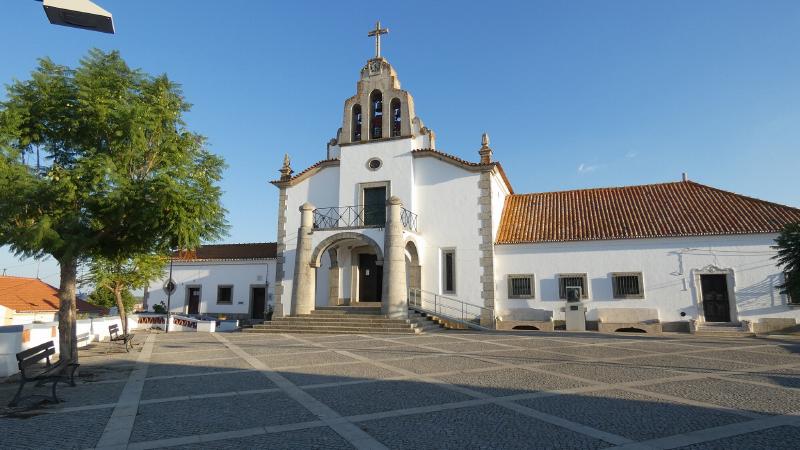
377	32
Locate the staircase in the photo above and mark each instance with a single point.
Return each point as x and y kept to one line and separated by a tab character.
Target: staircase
345	320
724	329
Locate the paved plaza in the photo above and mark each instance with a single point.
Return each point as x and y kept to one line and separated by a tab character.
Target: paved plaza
442	390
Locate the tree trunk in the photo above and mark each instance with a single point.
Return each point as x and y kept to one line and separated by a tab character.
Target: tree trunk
123	315
67	313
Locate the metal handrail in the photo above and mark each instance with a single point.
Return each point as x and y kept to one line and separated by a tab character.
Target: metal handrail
357	216
449	308
409	219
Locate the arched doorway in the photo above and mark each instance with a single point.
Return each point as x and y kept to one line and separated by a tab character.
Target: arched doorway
349	270
413	267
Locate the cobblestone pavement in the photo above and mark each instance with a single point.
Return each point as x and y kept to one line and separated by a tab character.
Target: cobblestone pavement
450	389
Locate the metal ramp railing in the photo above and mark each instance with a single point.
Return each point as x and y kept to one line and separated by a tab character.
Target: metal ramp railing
448	308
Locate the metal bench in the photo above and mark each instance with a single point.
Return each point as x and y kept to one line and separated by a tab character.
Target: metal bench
115	336
31	370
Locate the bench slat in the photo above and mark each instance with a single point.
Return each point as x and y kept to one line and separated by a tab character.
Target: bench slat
34	350
32	360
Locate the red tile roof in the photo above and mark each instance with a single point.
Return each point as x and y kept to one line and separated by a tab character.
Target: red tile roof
259	250
676	209
30	294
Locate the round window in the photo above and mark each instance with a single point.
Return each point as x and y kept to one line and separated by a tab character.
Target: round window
374	164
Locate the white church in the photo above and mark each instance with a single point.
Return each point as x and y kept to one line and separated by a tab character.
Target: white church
386	221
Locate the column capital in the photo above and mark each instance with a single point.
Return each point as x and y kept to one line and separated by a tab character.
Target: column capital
394	200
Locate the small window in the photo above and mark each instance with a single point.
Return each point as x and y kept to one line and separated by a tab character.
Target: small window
568	280
628	285
449	271
520	286
224	295
374	164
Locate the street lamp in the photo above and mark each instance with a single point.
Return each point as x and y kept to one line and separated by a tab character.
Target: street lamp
78	14
170	289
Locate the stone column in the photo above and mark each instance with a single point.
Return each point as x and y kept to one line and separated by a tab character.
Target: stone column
333	278
394	263
304	280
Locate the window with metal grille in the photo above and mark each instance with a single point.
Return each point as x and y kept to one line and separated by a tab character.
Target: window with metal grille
566	280
628	285
224	295
521	286
449	271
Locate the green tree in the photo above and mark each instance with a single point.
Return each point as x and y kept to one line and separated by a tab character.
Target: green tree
119	275
96	161
104	297
788	247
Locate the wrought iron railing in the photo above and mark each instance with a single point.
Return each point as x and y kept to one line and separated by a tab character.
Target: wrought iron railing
409	220
449	308
359	216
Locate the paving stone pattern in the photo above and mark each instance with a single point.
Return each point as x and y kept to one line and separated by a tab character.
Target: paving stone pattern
455	389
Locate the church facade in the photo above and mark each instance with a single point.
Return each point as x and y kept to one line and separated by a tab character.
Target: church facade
387	218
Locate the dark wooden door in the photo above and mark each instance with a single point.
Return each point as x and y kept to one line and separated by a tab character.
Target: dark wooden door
375	206
259	296
370	279
194	300
716	306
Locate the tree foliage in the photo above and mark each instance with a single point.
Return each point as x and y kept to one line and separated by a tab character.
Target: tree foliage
97	162
104	297
788	247
119	275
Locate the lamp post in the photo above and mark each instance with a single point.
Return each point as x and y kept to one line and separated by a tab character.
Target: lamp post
81	14
170	288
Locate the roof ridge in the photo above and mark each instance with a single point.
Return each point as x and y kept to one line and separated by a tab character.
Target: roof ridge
755	199
603	188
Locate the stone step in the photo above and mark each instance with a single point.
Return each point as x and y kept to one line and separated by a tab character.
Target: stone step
354	312
342	316
335	325
292	328
324	331
347	319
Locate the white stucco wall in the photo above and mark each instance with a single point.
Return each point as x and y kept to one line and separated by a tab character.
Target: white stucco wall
499	192
669	266
321	190
208	275
396	168
447	204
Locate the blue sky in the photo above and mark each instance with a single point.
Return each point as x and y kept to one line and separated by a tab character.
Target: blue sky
573	94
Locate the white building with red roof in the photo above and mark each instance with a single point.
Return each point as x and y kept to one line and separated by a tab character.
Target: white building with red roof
386	217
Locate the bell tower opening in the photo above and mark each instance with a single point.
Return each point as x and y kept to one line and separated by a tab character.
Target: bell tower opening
376	116
356	123
396	117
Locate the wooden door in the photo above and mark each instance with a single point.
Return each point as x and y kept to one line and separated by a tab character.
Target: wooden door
716	305
370	279
259	296
375	206
194	300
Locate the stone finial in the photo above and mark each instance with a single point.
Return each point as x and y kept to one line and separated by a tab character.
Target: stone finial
286	171
485	151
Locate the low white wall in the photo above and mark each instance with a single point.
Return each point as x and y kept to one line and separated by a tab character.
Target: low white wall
16	338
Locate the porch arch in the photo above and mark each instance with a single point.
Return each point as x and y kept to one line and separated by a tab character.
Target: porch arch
316	255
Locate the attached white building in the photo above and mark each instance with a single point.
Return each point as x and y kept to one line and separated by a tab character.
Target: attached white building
231	280
386	215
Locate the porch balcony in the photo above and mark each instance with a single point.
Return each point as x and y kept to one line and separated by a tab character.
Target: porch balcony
359	216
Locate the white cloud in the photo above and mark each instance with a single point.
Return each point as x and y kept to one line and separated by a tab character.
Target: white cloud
586	168
631	154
